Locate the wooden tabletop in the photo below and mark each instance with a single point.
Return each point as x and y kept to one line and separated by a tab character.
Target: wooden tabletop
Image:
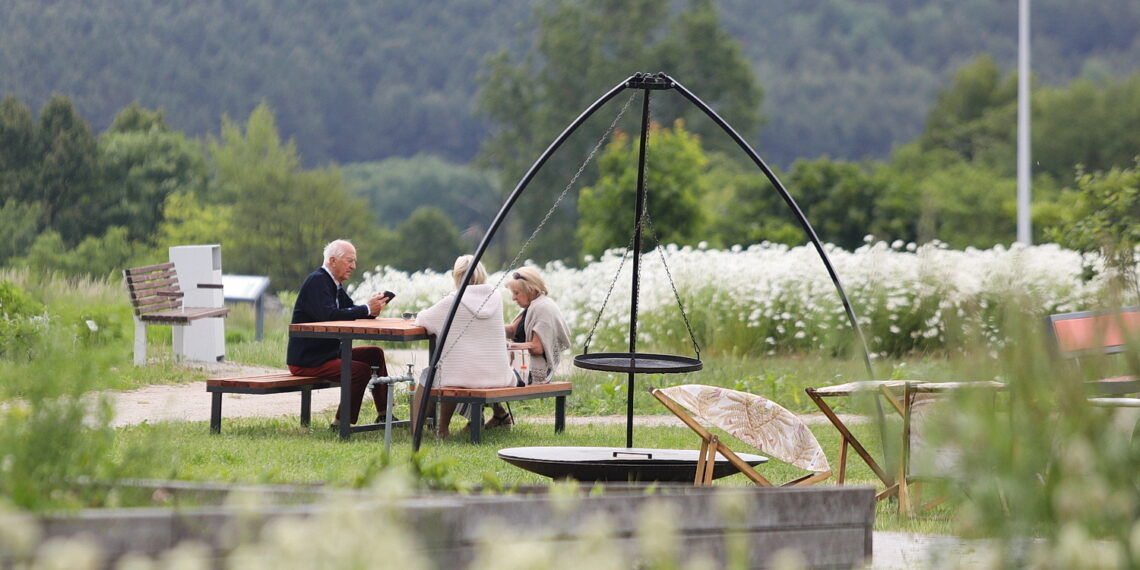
387	326
860	386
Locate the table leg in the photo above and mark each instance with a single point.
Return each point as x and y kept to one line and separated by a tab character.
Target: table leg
904	489
345	389
842	460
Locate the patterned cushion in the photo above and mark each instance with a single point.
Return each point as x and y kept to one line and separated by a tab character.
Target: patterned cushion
757	421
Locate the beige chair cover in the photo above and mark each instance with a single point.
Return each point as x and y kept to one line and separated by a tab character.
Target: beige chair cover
755	420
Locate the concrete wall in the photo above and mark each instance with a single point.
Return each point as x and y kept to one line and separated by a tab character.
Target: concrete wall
827	526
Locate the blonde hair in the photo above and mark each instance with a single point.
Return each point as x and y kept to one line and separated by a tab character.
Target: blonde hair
478	277
529	281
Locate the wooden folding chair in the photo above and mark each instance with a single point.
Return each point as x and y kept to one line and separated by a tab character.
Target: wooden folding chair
752	419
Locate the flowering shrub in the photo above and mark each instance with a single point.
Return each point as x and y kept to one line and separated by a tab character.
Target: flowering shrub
770	298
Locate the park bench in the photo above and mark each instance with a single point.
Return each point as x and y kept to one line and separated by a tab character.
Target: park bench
476	398
275	383
157	300
1083	334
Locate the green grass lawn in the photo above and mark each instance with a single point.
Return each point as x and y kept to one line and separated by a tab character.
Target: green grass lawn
279	451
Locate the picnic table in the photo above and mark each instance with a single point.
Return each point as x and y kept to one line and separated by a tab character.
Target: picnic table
386	329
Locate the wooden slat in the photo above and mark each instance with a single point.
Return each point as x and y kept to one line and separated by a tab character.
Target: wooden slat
184	315
150	308
159	284
149	268
156	303
383	326
157	299
267	381
533	389
154	276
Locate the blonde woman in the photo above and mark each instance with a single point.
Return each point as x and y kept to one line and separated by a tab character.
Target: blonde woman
473	355
539	329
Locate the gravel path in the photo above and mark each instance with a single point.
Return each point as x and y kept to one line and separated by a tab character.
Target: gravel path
191	402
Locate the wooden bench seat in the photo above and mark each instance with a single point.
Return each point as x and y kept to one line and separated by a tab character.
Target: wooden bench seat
478	397
157	300
275	383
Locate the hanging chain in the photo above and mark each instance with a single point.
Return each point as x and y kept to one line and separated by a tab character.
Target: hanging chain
606	300
569	185
581	168
673	285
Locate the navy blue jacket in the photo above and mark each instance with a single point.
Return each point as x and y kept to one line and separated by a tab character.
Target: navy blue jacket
320	300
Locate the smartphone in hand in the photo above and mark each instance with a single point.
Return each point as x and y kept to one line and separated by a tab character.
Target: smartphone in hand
388	295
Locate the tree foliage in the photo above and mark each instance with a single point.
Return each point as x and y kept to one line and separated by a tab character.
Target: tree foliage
426	240
1106	219
1092	124
581	50
80	201
143	162
976	117
19	151
366	81
66	187
838	198
280	216
396	187
674	181
101	256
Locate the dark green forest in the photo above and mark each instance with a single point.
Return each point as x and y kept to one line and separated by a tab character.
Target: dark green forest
273	128
364	80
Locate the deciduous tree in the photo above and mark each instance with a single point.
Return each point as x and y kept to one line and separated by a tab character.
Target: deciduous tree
20	152
674	181
1106	219
66	187
143	162
282	216
426	240
581	50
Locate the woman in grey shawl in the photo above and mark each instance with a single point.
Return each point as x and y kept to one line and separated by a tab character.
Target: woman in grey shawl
539	329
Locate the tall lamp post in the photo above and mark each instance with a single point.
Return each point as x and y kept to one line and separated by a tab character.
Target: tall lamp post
1024	229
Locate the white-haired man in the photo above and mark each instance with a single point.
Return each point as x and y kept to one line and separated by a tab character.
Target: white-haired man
322	298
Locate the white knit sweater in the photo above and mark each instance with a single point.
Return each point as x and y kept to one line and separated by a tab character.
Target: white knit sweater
475	355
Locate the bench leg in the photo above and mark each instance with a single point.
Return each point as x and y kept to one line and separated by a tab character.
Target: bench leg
475	420
140	342
559	414
216	412
306	406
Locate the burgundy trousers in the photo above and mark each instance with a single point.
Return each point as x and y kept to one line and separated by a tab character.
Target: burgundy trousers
363	359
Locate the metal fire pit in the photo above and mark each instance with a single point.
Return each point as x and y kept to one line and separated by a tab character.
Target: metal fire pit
618	463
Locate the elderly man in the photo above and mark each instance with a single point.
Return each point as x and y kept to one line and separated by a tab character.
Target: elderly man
322	298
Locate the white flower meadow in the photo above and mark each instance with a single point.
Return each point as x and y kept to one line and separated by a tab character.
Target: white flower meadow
771	297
